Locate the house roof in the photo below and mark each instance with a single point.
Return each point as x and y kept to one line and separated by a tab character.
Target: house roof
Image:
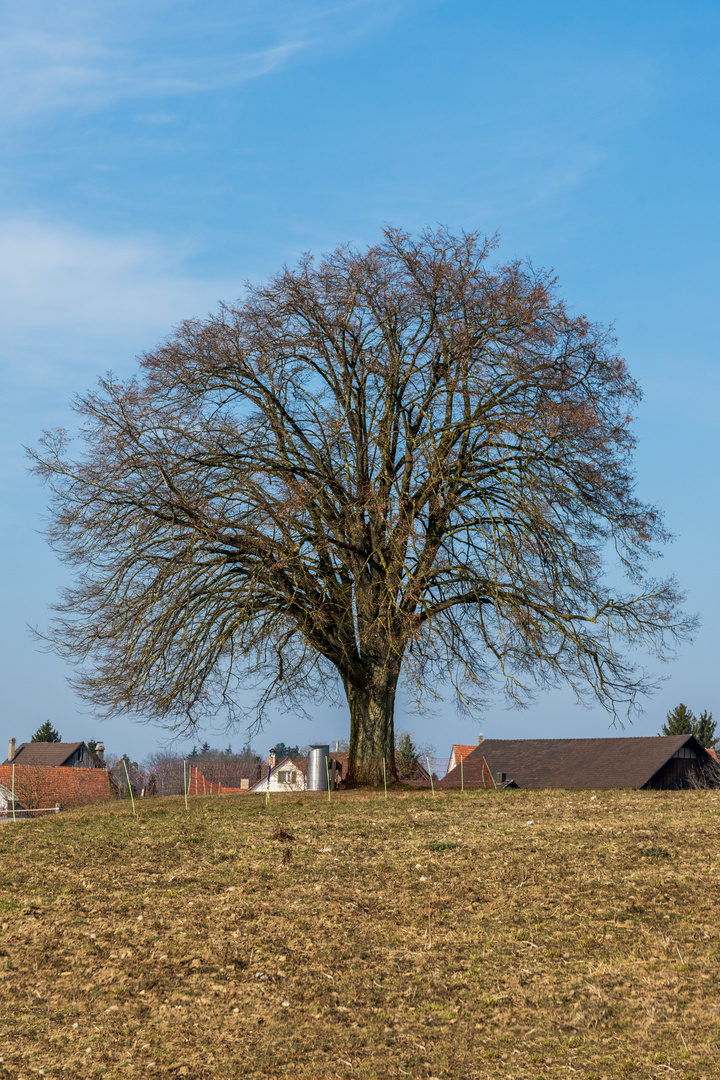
460	751
571	763
44	753
297	761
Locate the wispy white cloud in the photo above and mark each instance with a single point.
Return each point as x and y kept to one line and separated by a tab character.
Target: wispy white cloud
41	74
87	56
73	303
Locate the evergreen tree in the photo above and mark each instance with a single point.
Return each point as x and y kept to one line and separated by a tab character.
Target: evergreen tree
704	729
679	721
46	733
91	745
682	721
406	756
406	750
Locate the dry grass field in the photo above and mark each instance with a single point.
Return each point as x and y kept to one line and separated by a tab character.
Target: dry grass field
493	934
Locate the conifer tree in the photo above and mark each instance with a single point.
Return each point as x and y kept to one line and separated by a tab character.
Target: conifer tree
704	729
682	721
406	751
46	733
679	721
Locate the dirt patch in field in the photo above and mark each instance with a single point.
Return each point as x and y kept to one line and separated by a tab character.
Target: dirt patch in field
493	934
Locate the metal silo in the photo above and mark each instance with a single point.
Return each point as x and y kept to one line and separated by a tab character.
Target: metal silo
317	777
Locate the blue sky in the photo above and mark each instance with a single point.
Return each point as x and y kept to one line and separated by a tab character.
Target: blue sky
155	155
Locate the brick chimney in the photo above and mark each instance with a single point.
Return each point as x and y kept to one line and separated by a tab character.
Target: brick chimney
11	750
480	739
271	758
100	752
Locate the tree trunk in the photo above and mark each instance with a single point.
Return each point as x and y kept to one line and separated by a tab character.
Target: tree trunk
372	735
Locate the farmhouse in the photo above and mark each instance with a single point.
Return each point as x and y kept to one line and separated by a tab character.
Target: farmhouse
662	761
286	774
49	775
291	773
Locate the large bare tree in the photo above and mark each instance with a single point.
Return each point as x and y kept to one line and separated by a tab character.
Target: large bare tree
394	462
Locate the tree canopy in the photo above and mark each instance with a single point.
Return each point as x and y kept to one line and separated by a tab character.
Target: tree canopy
282	750
397	462
682	721
46	733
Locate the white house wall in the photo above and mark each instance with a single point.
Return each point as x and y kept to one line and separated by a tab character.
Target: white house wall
6	803
276	784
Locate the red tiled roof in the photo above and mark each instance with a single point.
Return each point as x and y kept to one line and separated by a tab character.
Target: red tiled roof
458	752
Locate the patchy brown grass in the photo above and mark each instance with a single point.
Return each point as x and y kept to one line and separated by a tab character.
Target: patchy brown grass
509	934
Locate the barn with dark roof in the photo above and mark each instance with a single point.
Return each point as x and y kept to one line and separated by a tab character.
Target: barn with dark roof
663	761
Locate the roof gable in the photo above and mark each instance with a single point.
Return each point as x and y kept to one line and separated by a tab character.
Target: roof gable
458	752
294	761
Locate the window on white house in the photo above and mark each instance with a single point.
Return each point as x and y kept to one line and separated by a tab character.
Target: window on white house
286	776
